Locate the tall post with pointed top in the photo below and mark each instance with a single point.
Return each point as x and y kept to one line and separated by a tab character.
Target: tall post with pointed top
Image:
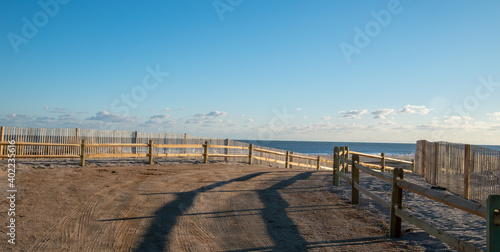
355	180
397	202
336	165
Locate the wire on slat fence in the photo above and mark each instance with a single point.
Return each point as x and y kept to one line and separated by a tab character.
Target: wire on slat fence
468	170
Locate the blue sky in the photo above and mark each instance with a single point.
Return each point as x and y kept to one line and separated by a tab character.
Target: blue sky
376	71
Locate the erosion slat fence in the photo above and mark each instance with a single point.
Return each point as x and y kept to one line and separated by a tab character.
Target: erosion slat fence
471	171
397	213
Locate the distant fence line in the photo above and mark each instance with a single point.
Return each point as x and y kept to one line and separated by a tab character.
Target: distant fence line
470	171
67	143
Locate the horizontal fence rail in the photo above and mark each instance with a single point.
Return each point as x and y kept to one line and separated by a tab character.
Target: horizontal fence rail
397	213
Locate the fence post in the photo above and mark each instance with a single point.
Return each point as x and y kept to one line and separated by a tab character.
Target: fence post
227	150
336	165
342	161
205	152
185	141
250	154
467	171
2	131
493	223
319	163
82	153
134	150
346	155
424	159
436	163
397	201
413	165
150	145
382	161
287	156
355	180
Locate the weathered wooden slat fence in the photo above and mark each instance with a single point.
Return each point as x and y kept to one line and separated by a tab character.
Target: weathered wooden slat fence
470	171
397	213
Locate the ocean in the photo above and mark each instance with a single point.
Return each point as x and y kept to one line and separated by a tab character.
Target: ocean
326	148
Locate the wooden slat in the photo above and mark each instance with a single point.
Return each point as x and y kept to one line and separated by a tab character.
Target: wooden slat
379	157
326	168
270	160
304	157
373	196
303	165
228	147
270	151
448	199
178	146
117	145
177	155
441	235
375	174
115	155
345	177
226	155
41	144
43	156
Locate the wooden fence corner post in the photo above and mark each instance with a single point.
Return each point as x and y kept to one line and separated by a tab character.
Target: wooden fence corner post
346	155
319	163
150	145
397	202
336	165
82	153
493	223
467	171
424	159
205	152
382	161
287	157
342	161
250	154
355	180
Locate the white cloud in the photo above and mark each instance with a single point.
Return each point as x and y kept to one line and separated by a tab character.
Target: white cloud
381	113
355	114
413	109
250	120
494	116
207	118
158	119
166	109
105	116
46	108
298	109
325	118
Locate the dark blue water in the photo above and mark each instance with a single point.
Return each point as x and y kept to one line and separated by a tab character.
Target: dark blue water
326	148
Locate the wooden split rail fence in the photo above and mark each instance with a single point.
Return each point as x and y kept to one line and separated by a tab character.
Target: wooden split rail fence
84	153
397	213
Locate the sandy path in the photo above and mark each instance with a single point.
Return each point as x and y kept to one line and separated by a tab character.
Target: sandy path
215	207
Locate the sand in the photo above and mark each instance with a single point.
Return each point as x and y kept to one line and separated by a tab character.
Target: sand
184	205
